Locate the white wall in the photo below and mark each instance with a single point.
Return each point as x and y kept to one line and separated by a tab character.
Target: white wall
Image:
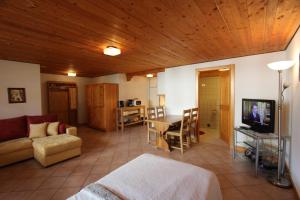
137	87
81	83
253	79
161	83
20	75
292	104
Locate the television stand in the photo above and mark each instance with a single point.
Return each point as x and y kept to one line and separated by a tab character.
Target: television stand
257	137
245	127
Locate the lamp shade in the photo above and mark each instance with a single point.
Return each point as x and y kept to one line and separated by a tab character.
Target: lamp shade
73	74
281	65
112	51
149	75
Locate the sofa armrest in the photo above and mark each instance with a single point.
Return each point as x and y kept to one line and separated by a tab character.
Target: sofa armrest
71	130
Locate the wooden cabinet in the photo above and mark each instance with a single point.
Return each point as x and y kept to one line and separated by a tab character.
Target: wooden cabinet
101	100
62	101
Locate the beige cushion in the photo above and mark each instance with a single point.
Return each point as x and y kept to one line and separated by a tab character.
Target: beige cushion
52	128
15	145
55	144
37	130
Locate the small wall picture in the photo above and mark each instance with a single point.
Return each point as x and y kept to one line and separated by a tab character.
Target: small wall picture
16	95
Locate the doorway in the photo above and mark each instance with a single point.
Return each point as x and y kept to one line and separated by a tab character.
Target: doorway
216	102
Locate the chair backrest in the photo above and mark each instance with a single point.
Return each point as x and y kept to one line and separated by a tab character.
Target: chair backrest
194	116
186	120
160	111
151	113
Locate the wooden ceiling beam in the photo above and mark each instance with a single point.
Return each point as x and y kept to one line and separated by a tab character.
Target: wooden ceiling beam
154	72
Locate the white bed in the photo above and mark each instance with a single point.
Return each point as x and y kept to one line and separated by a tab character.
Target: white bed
153	177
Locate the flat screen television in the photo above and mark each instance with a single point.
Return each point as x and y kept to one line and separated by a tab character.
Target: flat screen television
259	114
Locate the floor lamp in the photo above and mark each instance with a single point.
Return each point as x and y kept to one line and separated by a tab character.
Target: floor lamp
280	180
149	76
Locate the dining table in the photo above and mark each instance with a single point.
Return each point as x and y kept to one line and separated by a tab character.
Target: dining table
162	124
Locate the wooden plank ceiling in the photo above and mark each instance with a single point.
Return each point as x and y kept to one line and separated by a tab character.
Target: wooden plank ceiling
152	34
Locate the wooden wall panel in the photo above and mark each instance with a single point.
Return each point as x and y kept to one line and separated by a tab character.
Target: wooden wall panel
71	34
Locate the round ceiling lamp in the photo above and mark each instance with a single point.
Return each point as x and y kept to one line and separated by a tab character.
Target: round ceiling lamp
112	51
72	74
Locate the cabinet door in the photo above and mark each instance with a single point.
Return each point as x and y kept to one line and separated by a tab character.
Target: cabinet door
88	93
98	97
100	121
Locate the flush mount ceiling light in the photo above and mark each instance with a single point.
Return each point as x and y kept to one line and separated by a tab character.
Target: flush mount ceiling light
149	75
73	74
112	51
223	69
281	65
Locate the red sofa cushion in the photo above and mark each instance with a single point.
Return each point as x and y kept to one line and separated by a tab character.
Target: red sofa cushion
61	128
13	128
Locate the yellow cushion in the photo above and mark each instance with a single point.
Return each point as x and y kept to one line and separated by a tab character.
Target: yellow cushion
52	128
37	130
15	145
55	144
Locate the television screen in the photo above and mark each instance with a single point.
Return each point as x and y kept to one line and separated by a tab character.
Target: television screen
259	114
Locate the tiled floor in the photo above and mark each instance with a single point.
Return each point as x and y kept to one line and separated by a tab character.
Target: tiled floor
104	152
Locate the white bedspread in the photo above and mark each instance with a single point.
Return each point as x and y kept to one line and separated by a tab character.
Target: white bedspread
153	177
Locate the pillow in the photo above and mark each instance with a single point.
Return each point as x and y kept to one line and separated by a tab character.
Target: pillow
52	128
37	130
13	128
40	119
61	128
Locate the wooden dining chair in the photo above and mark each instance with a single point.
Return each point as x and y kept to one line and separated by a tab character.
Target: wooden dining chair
194	124
160	112
183	132
151	114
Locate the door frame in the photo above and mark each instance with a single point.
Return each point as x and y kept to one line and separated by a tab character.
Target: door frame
232	93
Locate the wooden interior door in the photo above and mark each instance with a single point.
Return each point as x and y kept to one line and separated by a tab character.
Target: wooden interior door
225	109
73	106
59	104
89	90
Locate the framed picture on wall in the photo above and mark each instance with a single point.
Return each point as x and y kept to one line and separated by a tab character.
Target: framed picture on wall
16	95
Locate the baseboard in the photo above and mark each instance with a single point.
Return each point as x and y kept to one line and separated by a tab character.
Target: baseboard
289	172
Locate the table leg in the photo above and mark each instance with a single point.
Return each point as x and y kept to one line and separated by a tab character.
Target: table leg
257	157
161	142
234	144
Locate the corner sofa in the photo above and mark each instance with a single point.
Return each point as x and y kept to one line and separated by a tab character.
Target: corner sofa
15	144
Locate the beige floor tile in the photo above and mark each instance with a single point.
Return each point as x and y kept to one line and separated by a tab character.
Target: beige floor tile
224	182
44	194
233	194
63	194
74	181
63	171
82	170
254	192
93	178
279	193
53	183
30	184
16	195
243	179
